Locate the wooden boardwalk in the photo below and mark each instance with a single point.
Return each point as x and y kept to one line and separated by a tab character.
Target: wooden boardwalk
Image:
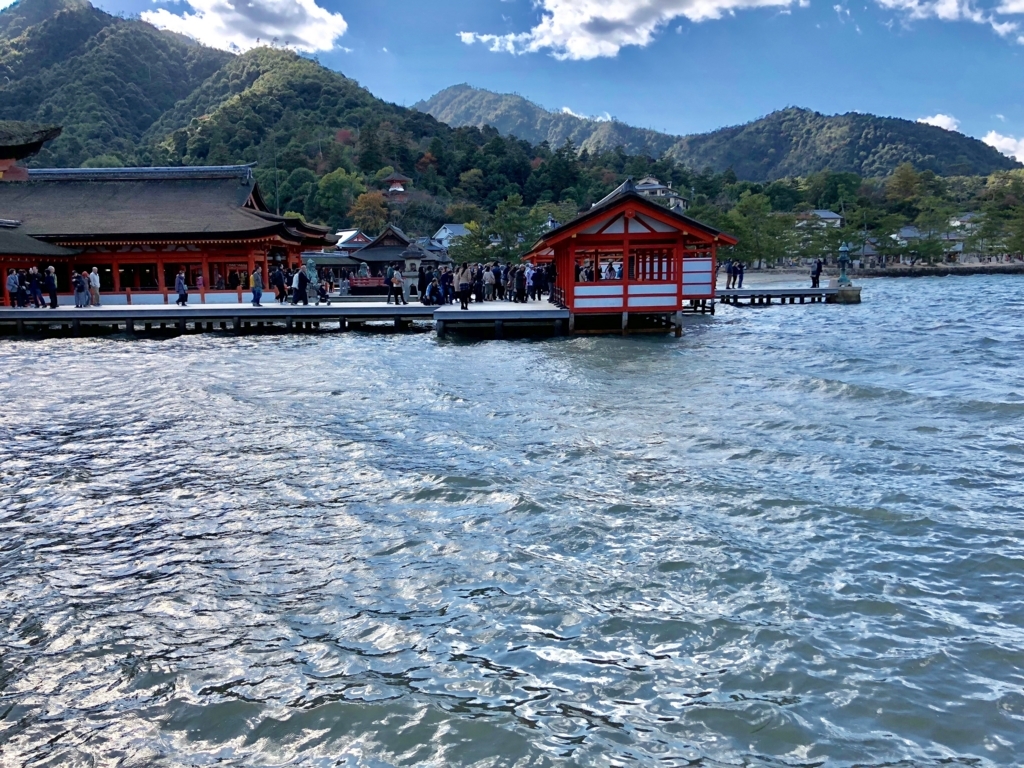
767	296
141	318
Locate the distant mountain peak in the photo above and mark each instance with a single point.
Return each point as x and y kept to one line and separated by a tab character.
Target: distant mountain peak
792	141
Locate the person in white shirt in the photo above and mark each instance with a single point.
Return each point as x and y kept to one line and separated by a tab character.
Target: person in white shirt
94	286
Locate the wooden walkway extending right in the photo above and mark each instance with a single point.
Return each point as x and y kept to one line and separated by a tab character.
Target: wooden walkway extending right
766	296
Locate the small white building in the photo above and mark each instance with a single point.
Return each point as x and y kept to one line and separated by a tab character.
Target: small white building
449	232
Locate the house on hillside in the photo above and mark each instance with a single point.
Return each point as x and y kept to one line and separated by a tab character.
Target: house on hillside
448	233
820	217
649	186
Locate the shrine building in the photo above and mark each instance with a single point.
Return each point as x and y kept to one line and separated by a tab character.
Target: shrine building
630	255
139	226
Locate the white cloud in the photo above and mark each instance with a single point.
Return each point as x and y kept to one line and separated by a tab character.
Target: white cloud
1008	145
957	10
940	120
587	29
5	3
605	118
237	26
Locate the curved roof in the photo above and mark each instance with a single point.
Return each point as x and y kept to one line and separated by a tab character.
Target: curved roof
20	140
101	204
627	193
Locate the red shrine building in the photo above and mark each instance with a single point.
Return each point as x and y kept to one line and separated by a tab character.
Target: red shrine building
140	226
630	255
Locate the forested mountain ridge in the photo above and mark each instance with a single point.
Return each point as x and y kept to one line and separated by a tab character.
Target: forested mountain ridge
513	115
789	142
105	79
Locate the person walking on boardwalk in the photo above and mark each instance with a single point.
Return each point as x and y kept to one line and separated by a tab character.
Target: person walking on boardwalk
422	281
182	288
300	284
51	286
35	288
397	288
520	285
80	285
740	268
12	287
94	286
816	269
277	281
257	286
464	279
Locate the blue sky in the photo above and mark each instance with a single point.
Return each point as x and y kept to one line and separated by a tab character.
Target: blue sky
681	66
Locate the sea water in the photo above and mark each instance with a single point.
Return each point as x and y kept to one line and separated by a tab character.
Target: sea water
793	537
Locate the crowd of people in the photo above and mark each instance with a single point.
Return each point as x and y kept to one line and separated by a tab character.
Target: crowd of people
32	288
484	282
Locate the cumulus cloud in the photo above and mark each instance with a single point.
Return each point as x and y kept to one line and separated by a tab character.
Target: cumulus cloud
1008	145
587	29
5	3
237	25
940	120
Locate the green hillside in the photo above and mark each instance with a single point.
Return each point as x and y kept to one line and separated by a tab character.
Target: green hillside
105	79
790	142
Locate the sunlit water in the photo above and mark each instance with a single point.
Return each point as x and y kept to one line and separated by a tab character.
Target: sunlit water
792	537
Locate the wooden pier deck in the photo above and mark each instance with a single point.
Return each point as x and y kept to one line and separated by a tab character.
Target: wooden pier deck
767	296
145	318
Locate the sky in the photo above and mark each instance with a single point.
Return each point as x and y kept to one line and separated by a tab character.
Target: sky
680	66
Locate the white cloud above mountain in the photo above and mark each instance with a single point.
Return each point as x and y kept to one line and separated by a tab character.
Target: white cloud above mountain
588	29
237	26
1008	145
940	120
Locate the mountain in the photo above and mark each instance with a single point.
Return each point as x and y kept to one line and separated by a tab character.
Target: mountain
512	115
105	79
789	142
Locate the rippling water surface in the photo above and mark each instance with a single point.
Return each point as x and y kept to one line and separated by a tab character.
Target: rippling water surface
792	537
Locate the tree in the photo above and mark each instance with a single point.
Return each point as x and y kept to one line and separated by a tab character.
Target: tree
336	192
473	247
903	184
370	158
515	228
369	211
462	213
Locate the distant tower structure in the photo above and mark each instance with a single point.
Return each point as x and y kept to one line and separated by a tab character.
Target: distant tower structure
396	185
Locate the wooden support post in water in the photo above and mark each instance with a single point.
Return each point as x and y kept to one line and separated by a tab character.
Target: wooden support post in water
76	327
342	325
149	327
440	329
129	327
236	324
499	329
558	327
679	323
288	323
572	323
181	325
625	323
21	327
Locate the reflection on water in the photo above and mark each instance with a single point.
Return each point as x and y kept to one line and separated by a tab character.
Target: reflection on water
791	537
